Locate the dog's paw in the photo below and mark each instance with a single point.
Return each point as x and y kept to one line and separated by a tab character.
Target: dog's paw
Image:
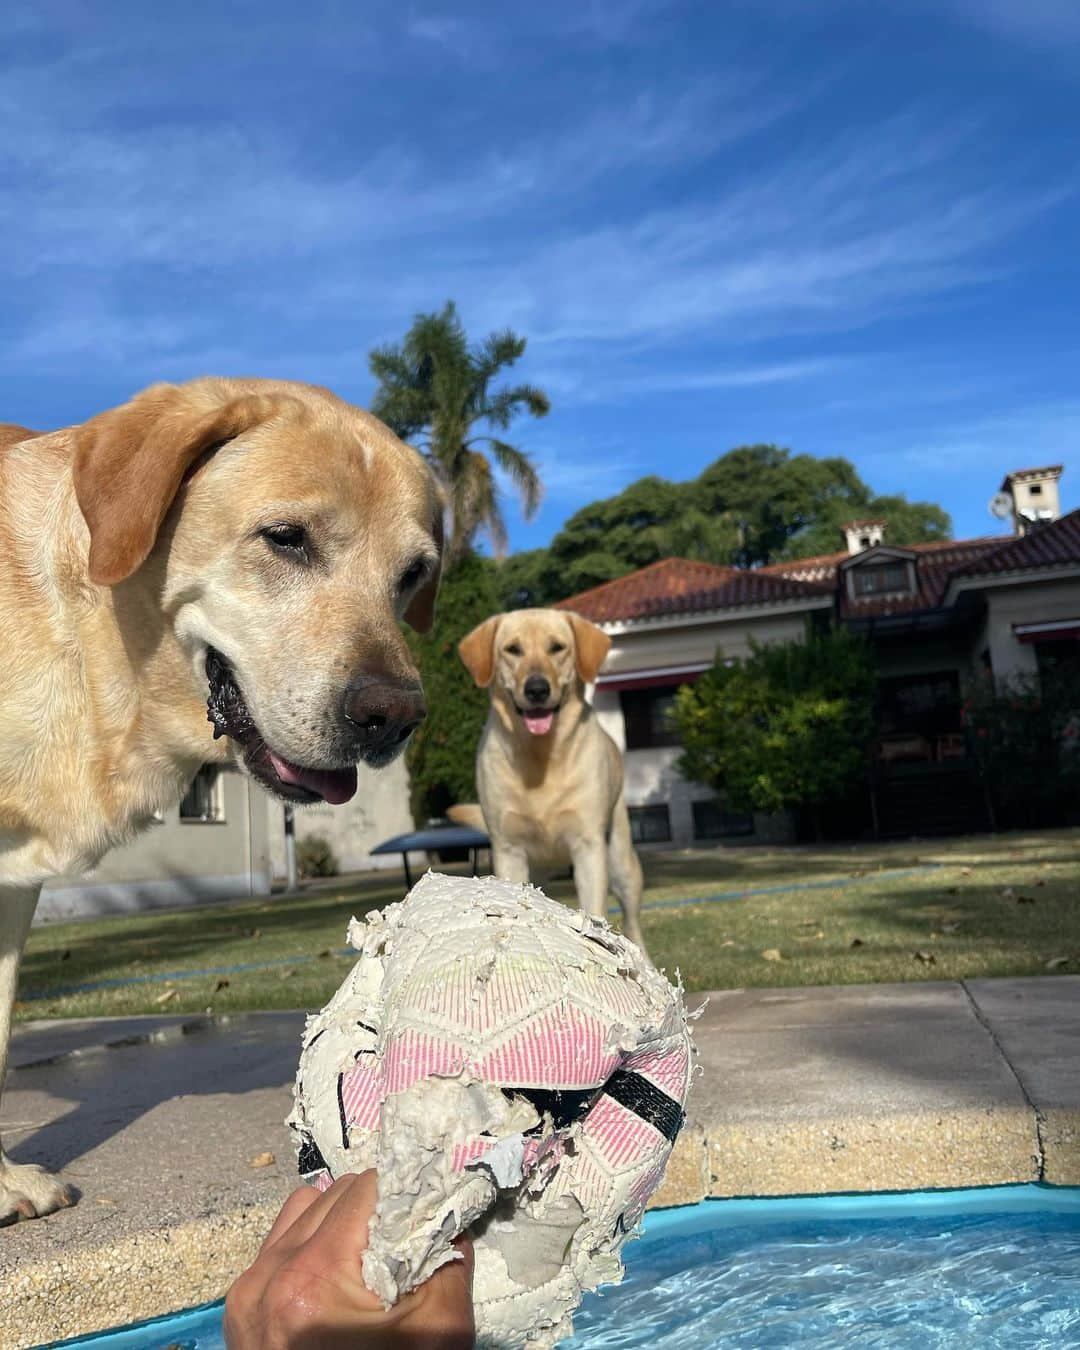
28	1192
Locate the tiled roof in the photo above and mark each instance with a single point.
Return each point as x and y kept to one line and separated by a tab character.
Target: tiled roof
1052	545
935	564
679	586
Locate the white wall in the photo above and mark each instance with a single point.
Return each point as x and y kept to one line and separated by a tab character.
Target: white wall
176	862
1028	602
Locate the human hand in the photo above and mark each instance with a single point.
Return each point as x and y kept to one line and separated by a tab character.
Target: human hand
305	1290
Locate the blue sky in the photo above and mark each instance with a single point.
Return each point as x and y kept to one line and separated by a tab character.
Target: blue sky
845	227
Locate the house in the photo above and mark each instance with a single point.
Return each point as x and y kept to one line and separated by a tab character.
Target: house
937	614
225	840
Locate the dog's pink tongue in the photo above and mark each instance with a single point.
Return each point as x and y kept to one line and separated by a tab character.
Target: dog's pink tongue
539	723
332	785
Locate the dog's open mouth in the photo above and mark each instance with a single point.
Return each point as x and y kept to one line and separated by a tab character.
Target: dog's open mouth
539	721
229	714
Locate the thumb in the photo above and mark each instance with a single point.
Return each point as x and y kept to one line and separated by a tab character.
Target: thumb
442	1315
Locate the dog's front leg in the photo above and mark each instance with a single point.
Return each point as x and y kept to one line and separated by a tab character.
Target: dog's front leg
26	1191
589	857
510	862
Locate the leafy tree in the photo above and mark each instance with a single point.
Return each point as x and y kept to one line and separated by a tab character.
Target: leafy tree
442	754
789	727
435	391
756	504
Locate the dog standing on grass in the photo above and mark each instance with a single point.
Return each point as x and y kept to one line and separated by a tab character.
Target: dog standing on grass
550	778
255	539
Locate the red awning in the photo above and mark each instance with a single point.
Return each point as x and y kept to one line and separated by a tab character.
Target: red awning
1053	630
655	678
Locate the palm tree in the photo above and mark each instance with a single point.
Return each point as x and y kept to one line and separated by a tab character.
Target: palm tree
435	391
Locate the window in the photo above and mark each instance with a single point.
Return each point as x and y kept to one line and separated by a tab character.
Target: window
650	824
881	578
713	821
204	801
649	715
925	705
1035	489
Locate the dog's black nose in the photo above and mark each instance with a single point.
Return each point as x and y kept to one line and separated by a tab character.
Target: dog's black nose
537	689
383	711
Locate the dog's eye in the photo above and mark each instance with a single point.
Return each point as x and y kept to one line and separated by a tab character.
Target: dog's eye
513	648
290	540
556	647
414	573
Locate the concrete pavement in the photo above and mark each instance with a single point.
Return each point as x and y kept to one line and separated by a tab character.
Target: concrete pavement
165	1125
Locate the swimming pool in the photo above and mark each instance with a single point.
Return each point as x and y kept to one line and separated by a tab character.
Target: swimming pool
998	1267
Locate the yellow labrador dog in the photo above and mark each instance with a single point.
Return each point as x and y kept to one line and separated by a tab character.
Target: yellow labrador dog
256	541
550	778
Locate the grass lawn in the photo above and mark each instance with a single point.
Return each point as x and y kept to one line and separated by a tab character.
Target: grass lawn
1007	905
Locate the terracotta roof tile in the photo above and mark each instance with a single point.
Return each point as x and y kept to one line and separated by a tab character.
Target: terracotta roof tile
1055	544
679	586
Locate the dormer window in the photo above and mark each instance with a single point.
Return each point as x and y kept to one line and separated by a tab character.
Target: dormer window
885	578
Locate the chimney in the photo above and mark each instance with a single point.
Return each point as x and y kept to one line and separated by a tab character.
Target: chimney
1035	499
863	534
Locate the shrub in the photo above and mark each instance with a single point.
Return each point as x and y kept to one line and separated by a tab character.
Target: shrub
315	857
1024	736
788	727
442	754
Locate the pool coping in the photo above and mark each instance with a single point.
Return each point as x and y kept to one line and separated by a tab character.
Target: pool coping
931	1087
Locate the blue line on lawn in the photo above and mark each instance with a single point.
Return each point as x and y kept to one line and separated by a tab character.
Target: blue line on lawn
832	885
169	976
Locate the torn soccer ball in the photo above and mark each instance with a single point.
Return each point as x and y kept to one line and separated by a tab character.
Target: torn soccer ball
509	1066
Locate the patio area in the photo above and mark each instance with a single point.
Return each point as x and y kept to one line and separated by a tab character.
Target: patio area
170	1127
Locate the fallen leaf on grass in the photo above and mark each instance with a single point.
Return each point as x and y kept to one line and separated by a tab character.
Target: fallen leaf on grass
221	984
253	933
324	954
166	996
950	927
1025	899
856	942
728	942
1055	963
287	974
965	871
1008	893
1041	881
927	958
954	890
771	954
65	956
263	1160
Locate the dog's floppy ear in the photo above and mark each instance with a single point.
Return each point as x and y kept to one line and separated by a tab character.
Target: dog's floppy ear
129	464
591	646
477	650
421	611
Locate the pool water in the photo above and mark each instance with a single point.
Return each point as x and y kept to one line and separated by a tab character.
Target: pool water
983	1269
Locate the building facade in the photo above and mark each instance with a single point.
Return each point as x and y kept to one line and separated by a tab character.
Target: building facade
938	615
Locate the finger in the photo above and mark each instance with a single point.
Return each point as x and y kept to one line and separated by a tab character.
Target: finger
343	1191
294	1206
345	1224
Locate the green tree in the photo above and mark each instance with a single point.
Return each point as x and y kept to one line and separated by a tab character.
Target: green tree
789	727
436	391
756	504
442	754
